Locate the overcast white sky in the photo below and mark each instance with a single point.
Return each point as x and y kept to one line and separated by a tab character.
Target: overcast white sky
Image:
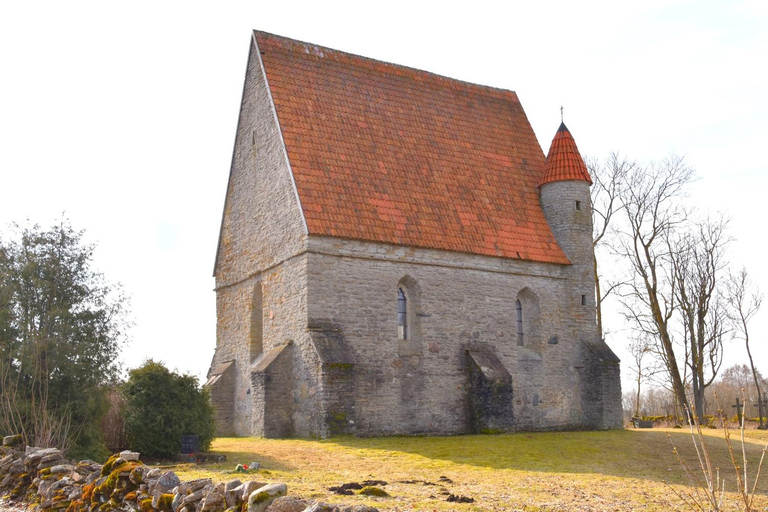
123	116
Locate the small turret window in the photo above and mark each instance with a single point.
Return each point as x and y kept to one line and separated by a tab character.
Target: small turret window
520	334
578	205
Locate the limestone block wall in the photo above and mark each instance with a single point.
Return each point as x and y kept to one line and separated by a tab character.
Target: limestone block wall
221	383
283	319
459	301
567	208
572	228
262	224
262	237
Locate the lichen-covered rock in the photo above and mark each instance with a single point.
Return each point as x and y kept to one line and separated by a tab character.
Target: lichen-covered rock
232	484
14	440
212	501
177	500
372	490
261	498
162	501
243	491
194	485
43	477
62	469
164	483
287	504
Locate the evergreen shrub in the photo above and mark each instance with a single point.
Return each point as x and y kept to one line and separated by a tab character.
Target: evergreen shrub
161	407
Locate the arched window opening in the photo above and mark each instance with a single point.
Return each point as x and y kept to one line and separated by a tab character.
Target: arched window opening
520	332
402	320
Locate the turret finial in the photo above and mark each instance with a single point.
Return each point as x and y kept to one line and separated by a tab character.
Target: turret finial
561	114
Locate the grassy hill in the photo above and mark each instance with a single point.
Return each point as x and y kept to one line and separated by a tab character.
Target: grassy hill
613	470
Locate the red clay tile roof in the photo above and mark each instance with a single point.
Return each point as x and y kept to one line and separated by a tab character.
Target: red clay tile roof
386	153
563	160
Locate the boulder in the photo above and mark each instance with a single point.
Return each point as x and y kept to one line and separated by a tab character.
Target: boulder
61	469
232	484
194	485
213	500
164	483
14	440
261	498
129	456
54	456
243	491
287	504
177	500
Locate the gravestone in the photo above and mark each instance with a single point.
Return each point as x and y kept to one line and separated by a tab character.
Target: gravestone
738	407
190	444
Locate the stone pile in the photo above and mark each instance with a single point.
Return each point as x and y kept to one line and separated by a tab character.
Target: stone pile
44	478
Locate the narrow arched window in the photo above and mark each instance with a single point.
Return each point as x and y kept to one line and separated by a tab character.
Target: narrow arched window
520	333
402	308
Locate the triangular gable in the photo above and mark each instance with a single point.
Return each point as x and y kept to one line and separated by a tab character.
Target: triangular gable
262	222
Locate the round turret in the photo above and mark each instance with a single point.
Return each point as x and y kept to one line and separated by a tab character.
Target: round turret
565	198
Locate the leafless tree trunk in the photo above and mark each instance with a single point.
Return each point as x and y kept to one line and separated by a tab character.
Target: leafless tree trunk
641	350
745	302
698	265
651	203
608	179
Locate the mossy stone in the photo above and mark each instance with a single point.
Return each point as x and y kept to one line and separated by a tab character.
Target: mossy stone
374	491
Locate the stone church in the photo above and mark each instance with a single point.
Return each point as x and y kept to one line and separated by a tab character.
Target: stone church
397	256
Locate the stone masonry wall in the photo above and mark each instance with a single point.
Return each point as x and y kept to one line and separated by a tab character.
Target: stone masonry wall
462	301
262	233
262	223
599	381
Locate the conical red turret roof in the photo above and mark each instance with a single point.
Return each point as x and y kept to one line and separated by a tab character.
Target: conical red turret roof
563	160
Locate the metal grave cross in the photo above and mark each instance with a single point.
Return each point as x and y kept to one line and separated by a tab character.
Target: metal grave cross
739	406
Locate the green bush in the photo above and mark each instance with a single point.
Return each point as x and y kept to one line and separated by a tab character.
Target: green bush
161	407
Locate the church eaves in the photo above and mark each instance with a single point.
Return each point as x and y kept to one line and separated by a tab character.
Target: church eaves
385	153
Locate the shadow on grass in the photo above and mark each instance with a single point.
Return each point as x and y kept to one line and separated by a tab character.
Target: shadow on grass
645	454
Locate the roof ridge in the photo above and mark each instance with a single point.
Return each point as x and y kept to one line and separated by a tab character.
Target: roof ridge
457	81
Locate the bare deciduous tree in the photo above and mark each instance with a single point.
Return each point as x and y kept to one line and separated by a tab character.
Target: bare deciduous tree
698	264
653	211
608	178
745	300
643	366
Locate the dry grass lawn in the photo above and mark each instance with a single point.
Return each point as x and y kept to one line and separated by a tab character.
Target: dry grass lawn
614	470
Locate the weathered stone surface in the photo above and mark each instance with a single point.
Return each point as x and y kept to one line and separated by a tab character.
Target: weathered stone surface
246	488
164	483
62	469
261	498
287	504
193	497
36	456
129	456
194	485
13	440
213	501
64	484
278	280
139	475
177	501
232	484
